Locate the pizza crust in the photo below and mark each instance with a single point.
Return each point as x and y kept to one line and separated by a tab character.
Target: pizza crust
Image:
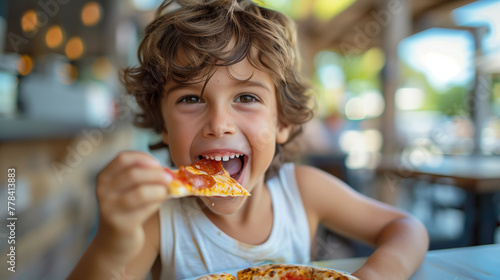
330	274
217	276
287	271
282	272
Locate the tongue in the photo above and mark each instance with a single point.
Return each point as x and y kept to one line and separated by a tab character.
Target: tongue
233	166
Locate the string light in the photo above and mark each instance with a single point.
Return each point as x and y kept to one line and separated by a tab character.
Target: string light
29	21
74	48
24	65
54	36
91	13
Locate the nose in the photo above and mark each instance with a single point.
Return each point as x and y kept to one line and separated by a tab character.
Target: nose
219	123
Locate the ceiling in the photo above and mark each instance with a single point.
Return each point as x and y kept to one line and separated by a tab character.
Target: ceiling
338	33
369	17
67	14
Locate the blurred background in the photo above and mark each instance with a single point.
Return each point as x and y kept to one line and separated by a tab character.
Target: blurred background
408	112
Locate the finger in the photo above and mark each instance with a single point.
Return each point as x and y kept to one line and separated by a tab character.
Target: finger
132	176
135	177
141	197
125	160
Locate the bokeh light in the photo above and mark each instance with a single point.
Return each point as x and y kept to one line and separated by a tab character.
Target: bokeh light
29	21
373	60
374	103
25	65
54	36
331	76
362	148
91	13
355	109
74	48
444	56
409	98
327	9
372	140
369	104
351	141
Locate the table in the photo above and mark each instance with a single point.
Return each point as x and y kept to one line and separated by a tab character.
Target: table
478	175
477	262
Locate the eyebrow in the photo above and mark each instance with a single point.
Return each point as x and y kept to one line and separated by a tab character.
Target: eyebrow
178	86
199	86
253	84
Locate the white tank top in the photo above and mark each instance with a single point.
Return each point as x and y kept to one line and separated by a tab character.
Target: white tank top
191	245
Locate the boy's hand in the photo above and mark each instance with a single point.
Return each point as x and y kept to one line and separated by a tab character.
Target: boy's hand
130	189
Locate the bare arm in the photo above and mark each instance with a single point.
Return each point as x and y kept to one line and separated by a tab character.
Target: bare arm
401	241
130	191
401	248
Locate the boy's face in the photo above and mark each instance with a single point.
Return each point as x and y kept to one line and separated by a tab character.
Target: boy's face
237	115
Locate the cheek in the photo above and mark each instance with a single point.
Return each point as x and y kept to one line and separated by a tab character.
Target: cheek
176	151
179	139
262	134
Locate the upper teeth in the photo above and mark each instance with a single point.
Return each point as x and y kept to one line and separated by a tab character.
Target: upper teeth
223	158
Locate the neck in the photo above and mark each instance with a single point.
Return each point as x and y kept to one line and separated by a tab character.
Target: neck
255	212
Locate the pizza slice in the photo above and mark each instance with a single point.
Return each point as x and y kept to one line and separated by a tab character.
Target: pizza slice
291	272
204	178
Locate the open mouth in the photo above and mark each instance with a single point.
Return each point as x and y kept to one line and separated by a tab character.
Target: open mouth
233	163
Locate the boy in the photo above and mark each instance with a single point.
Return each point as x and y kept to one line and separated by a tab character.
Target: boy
218	79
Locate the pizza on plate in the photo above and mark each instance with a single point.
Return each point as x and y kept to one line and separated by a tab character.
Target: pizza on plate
285	272
206	177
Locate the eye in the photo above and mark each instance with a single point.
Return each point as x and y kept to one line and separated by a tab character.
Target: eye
190	99
246	98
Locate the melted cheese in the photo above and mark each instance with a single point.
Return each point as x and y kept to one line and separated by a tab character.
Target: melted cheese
225	186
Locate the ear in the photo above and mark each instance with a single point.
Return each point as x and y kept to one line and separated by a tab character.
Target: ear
283	133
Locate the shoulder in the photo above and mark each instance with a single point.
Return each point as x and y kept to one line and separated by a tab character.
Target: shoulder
322	192
314	181
303	172
333	203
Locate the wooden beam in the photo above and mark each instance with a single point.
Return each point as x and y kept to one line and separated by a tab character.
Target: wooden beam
438	7
398	29
362	36
350	31
323	33
438	15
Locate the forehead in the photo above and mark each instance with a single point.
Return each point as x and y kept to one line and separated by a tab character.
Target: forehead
245	70
240	73
190	63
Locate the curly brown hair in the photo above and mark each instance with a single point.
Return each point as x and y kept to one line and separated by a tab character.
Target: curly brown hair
213	33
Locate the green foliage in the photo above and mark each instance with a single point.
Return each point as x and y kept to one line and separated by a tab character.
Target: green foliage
451	103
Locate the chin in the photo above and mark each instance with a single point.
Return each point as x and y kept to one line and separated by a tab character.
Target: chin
223	205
